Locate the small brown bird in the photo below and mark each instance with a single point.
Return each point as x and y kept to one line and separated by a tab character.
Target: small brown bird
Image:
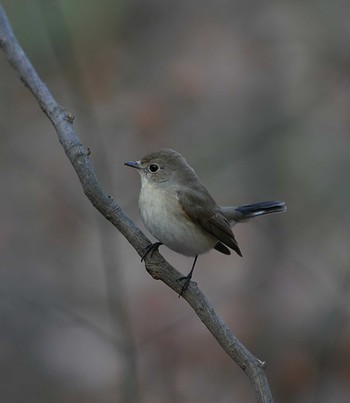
179	211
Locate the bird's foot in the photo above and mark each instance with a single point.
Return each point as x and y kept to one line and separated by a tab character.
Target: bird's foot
186	280
150	249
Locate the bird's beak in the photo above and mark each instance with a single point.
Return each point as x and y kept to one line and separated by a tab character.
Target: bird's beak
133	164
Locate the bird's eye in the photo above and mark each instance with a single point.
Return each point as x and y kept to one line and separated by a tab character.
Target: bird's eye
153	168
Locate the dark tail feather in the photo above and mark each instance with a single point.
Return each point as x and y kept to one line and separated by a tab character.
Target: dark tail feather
262	208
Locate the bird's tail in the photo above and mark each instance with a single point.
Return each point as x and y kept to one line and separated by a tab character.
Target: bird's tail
262	208
246	211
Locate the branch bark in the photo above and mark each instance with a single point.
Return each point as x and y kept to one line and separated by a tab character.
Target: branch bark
155	264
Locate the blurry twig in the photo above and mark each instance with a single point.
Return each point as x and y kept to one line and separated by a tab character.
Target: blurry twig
115	289
158	268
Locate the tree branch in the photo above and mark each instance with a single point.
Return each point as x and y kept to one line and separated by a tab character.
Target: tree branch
155	264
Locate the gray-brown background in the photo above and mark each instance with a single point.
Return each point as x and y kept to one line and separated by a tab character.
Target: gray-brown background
256	95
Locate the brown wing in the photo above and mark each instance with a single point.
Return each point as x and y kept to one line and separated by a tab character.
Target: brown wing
202	209
222	248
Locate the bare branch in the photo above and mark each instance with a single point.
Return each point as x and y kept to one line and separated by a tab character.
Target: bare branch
155	264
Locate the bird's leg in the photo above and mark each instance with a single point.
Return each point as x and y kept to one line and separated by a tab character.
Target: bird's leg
150	249
187	279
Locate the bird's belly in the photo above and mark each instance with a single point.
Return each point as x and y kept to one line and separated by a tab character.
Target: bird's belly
164	219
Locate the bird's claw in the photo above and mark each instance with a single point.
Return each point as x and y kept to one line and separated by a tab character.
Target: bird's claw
186	282
150	249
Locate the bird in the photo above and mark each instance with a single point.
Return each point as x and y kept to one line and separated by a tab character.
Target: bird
178	210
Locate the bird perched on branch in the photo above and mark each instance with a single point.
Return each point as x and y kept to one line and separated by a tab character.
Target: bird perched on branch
179	211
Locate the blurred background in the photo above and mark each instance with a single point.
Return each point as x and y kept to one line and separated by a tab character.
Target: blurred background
256	96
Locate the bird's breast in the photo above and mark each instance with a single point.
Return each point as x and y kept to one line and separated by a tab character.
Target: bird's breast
164	218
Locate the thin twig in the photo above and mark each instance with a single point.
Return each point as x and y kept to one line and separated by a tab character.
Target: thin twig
158	268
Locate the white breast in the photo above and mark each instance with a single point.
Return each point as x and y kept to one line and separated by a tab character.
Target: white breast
164	219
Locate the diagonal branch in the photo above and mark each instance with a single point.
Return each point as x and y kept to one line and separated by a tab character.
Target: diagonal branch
155	264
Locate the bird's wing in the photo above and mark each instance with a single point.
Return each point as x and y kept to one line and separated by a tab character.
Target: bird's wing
202	209
222	248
